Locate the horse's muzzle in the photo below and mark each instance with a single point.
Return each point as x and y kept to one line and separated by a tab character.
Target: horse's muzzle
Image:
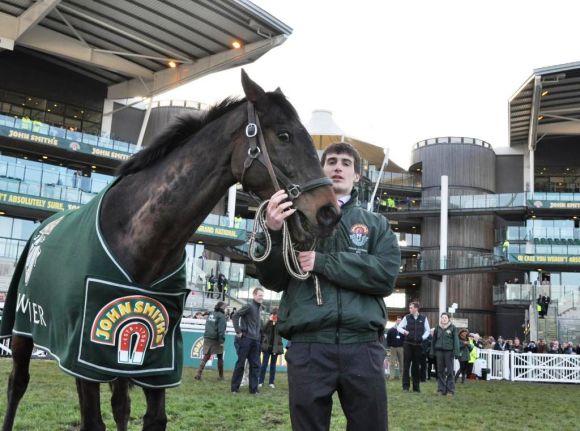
327	217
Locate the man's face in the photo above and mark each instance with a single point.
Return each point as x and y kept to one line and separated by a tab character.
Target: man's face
412	309
259	296
340	169
398	320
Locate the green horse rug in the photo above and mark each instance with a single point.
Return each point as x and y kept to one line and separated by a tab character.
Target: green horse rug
72	297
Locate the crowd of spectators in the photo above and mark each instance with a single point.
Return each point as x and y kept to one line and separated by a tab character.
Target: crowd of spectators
515	345
203	314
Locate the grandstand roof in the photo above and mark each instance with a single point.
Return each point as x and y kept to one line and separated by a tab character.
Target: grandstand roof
548	103
141	47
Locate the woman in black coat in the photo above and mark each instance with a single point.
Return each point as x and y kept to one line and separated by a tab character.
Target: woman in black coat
271	347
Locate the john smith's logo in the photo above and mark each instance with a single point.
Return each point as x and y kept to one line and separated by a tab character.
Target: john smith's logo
131	323
359	234
197	349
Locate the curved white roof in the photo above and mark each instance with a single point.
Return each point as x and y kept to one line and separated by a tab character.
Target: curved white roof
322	123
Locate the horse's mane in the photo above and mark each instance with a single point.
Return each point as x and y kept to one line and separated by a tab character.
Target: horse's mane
175	136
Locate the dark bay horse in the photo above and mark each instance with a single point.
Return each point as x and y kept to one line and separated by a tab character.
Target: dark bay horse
162	195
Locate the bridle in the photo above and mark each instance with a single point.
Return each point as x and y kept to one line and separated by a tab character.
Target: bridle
258	151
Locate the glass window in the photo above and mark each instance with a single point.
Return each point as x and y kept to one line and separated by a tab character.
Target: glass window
92	116
15	98
5	227
32	174
92	128
56	107
72	124
22	229
54	119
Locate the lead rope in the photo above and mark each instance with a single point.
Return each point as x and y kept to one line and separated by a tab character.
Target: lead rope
288	251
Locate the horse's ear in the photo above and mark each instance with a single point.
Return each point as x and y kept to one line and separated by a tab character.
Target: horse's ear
279	91
253	91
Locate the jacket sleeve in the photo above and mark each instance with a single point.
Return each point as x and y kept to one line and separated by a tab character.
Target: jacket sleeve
272	272
236	318
374	273
222	329
456	351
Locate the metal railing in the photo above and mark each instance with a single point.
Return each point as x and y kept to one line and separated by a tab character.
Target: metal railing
452	140
531	367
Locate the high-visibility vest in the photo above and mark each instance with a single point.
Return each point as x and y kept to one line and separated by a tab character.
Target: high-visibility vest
473	354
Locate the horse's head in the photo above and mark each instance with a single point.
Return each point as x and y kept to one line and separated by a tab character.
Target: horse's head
294	162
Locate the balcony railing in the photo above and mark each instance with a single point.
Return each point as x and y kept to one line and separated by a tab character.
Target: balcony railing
483	201
539	249
543	235
514	293
565	295
396	179
452	140
59	132
469	261
408	239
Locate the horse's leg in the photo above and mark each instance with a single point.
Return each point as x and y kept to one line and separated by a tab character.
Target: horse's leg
19	377
121	403
90	403
155	418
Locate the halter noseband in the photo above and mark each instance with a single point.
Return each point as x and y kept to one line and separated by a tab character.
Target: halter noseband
259	151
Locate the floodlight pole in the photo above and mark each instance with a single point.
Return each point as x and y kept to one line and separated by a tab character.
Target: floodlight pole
443	242
383	166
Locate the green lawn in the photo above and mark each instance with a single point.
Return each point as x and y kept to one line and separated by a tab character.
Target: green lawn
51	404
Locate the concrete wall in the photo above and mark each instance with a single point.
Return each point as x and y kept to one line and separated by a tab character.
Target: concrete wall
509	174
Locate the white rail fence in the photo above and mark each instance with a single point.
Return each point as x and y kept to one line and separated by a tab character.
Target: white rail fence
531	367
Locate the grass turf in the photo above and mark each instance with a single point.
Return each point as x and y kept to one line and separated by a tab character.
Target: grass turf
51	404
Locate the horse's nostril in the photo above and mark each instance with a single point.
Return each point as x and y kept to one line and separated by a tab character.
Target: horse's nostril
327	216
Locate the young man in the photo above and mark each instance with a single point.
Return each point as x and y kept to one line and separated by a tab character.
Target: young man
335	346
248	327
415	328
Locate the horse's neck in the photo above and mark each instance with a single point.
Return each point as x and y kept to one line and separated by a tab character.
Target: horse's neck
148	217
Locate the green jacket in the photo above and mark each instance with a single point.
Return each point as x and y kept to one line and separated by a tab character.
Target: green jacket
215	326
445	339
357	267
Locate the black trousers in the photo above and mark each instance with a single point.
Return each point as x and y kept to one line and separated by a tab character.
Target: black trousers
247	349
355	371
412	357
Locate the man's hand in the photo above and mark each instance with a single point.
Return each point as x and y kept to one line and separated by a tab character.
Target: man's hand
277	211
306	259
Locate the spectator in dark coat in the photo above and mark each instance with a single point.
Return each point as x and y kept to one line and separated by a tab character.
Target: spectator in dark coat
395	342
271	347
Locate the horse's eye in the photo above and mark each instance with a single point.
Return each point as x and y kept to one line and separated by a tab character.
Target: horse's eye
284	136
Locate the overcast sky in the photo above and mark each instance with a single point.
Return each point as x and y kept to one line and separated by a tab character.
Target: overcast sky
397	72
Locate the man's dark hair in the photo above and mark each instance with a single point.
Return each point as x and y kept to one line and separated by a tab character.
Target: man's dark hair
445	314
342	148
220	305
415	304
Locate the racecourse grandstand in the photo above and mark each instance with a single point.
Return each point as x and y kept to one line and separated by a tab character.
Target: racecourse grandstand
77	97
